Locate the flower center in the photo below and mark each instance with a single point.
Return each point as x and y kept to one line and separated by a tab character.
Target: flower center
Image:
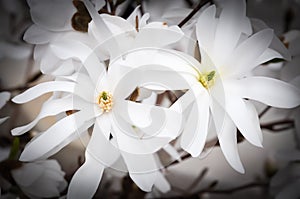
207	79
105	101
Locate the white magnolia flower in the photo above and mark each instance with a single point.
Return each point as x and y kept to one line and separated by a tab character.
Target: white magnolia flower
133	130
41	179
47	30
115	35
228	53
220	84
4	97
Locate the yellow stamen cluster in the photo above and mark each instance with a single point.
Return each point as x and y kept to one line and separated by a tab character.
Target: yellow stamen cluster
105	101
207	79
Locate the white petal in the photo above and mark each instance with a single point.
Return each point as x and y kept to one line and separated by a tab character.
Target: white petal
151	120
161	183
37	35
104	123
206	28
142	169
172	152
55	15
150	75
254	117
130	142
50	108
244	57
160	35
66	49
270	91
276	44
242	116
86	180
268	55
195	132
55	135
3	119
4	97
101	28
43	88
228	143
186	99
27	174
228	30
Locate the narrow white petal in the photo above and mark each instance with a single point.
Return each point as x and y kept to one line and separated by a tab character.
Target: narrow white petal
105	124
229	29
3	119
228	143
276	44
43	88
268	55
55	135
269	91
161	183
172	152
86	180
194	134
243	58
50	108
142	169
101	27
254	117
243	118
206	28
4	97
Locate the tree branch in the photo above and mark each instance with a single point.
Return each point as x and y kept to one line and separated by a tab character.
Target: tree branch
193	12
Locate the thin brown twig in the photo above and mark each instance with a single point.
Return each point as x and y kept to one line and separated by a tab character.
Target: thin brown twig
193	12
235	189
264	111
278	126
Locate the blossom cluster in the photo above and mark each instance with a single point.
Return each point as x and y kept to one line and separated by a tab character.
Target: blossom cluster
109	72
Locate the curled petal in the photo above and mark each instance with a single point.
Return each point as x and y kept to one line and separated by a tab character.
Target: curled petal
43	88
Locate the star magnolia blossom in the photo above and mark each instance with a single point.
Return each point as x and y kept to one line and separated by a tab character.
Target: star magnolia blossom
99	96
228	53
220	85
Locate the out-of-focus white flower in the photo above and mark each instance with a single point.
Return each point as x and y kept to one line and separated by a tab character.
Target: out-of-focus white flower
291	72
115	35
4	97
47	30
41	179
